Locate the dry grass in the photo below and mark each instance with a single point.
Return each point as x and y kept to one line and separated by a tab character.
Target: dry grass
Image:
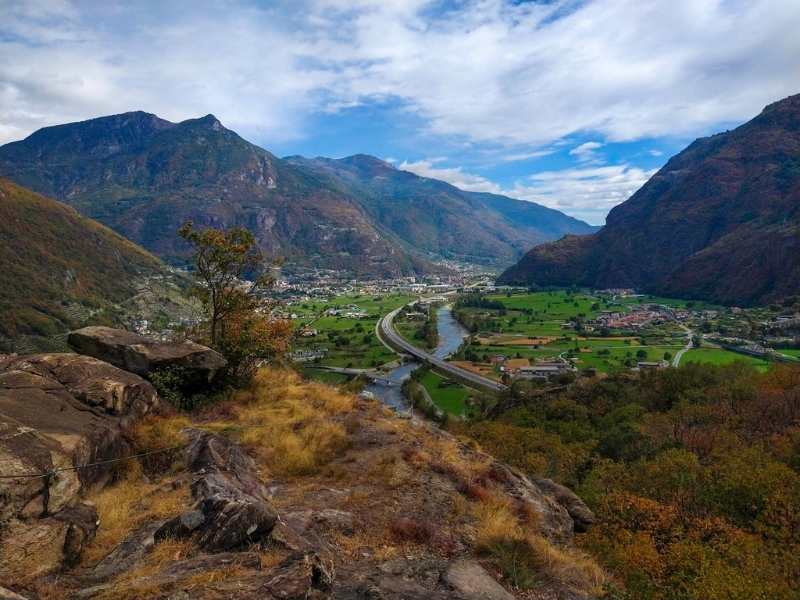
294	427
496	523
123	507
527	558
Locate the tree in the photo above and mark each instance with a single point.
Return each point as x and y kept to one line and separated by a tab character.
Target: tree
222	260
240	324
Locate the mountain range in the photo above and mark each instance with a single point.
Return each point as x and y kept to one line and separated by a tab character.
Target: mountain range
720	221
144	177
55	261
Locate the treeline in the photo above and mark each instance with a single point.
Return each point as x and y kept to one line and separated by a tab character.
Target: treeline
429	332
478	301
694	474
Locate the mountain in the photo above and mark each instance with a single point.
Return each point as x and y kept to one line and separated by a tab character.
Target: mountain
720	221
144	177
439	219
55	262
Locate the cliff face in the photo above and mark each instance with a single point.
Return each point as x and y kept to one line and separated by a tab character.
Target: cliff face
720	221
288	489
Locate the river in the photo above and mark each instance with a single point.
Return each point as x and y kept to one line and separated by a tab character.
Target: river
451	336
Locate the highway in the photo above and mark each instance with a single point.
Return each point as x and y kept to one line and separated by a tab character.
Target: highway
390	337
679	354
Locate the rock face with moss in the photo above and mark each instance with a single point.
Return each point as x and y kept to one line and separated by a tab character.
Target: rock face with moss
59	412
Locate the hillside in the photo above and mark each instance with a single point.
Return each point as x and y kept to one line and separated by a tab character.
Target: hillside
284	490
720	221
56	262
144	177
440	219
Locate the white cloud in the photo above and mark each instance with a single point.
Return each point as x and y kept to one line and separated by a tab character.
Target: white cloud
587	152
586	192
452	175
656	153
485	70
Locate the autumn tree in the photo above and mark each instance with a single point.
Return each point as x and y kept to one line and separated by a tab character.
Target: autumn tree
233	280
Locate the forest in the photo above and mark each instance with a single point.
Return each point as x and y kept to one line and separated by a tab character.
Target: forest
693	473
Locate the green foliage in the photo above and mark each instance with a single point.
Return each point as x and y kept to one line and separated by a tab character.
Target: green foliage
694	474
174	386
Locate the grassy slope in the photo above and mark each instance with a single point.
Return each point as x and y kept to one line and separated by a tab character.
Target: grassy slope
50	256
450	398
719	356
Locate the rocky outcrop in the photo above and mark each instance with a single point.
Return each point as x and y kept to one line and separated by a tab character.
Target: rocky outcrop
582	516
142	355
231	498
469	579
58	413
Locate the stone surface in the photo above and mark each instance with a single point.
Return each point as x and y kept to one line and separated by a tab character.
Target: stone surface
582	516
181	526
232	498
469	579
180	570
554	522
126	554
6	594
142	355
59	411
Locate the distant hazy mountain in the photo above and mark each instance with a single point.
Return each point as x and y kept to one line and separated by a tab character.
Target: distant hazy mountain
54	259
145	176
720	221
439	219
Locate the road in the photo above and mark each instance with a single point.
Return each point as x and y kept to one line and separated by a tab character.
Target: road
394	340
679	354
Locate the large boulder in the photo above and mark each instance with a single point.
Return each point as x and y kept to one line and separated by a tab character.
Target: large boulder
582	515
143	356
59	412
234	502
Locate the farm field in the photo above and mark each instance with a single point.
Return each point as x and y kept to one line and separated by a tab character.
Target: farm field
795	352
349	341
719	356
533	326
446	395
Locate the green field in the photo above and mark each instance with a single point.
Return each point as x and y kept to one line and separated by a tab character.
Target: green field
543	314
350	342
795	352
448	396
719	356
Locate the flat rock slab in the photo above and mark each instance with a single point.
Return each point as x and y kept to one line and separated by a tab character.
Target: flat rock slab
471	581
142	355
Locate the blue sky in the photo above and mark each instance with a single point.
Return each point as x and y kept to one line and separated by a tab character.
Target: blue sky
573	104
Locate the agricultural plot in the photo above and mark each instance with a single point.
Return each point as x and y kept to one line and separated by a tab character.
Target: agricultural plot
719	356
536	326
446	395
345	341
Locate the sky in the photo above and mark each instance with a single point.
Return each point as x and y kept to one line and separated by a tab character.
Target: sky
570	103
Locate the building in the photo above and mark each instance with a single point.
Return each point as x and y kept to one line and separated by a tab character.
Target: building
544	370
644	365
